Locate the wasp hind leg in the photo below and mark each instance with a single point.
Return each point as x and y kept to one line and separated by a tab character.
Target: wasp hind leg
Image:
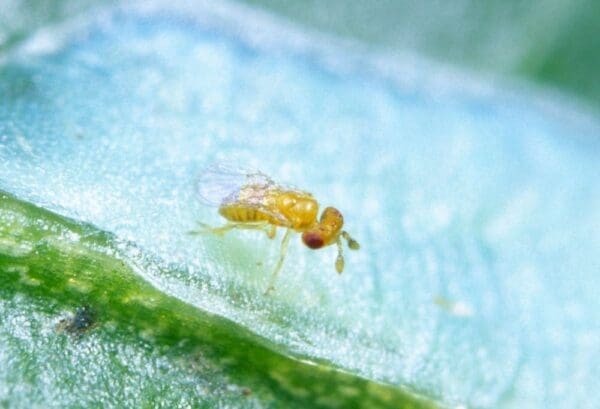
219	231
282	254
207	229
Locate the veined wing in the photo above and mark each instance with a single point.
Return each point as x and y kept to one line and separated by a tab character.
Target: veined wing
219	185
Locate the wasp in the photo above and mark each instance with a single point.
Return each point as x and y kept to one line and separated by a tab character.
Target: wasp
252	200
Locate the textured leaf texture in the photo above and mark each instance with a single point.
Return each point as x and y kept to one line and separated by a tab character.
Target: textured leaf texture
477	210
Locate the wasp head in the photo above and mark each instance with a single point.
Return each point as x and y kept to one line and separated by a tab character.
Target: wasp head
326	231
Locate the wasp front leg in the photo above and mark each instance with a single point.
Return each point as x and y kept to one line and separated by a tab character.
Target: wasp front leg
339	261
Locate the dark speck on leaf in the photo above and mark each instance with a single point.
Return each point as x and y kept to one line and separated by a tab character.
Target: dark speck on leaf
83	319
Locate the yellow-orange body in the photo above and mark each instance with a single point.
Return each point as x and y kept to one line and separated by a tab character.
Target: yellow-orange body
254	201
291	209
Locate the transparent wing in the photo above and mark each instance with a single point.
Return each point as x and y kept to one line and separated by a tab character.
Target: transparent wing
219	184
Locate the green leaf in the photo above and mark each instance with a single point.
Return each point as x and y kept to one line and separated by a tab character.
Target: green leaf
143	348
471	205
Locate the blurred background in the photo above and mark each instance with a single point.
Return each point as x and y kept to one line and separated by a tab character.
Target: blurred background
552	42
481	203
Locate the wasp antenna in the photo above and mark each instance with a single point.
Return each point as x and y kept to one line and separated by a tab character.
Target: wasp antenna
352	244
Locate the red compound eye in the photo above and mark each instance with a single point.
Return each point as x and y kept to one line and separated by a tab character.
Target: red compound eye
312	240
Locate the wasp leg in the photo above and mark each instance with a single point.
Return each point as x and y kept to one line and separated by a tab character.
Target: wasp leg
206	229
352	244
282	254
269	229
272	232
339	261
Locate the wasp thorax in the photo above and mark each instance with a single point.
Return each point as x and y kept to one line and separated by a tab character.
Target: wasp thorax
301	209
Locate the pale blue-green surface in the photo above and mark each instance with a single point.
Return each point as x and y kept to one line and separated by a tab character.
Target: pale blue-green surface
465	193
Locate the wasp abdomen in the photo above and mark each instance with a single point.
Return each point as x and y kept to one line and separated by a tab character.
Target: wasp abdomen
243	214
